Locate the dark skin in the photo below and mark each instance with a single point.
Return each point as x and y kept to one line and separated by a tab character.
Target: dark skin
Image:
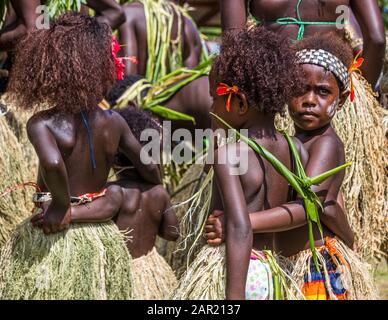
61	144
194	100
312	113
134	205
238	195
108	11
367	13
20	19
16	26
133	35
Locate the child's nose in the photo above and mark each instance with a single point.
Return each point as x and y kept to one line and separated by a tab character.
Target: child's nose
309	99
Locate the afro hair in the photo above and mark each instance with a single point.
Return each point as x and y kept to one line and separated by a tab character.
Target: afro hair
68	67
263	66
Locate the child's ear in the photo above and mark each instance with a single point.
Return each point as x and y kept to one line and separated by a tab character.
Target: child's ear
242	104
344	95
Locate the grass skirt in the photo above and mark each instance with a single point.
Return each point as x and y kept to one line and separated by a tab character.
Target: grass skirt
365	187
205	279
87	261
355	275
188	212
153	278
14	170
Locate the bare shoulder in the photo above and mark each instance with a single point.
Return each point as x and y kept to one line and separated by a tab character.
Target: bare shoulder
111	118
328	147
37	122
328	142
133	11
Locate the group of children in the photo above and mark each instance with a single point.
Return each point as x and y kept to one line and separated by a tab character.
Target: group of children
64	72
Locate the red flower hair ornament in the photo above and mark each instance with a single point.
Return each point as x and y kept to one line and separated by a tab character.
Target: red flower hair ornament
119	62
355	67
224	89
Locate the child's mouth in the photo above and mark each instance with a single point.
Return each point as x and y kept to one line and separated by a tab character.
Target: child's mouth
308	115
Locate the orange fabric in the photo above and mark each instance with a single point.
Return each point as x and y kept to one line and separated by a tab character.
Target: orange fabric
314	290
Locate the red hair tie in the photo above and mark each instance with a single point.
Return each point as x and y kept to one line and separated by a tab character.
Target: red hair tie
119	62
223	89
355	67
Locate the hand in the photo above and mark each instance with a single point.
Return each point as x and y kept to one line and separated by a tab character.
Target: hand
54	218
214	228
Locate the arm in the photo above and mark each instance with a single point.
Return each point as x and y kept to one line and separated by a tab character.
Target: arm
129	40
370	20
26	16
169	227
108	11
192	45
292	215
102	209
233	14
335	219
54	173
238	229
131	147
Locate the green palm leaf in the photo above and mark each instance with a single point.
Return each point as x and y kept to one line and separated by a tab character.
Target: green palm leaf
300	182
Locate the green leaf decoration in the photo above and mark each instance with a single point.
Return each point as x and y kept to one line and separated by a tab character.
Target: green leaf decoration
300	182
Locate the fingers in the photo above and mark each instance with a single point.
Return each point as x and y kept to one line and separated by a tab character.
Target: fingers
36	217
46	230
38	223
215	242
210	228
218	213
211	235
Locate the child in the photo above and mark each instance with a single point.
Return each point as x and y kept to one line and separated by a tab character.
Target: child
144	209
325	61
74	139
297	19
252	70
359	124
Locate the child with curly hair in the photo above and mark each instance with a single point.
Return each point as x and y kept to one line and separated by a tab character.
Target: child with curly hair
144	209
74	139
325	60
61	74
250	84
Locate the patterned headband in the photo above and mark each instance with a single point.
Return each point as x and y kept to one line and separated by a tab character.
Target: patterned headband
328	61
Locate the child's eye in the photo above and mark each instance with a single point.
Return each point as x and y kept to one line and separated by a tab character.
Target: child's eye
323	91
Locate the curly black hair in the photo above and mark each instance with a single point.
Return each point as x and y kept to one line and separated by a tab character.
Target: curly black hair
120	86
137	120
263	66
331	42
68	67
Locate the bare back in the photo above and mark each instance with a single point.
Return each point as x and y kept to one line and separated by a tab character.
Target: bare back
134	34
144	217
71	137
262	186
